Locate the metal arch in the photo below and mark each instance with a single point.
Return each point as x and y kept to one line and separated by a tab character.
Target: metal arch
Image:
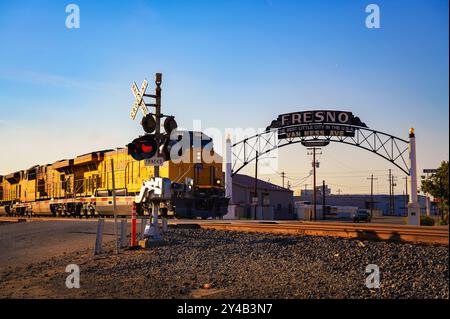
387	146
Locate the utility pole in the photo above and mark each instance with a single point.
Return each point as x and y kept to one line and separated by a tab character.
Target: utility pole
314	183
314	164
323	199
390	192
371	193
393	194
256	182
282	176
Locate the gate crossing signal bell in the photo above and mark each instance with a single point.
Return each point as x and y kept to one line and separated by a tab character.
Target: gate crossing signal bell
148	145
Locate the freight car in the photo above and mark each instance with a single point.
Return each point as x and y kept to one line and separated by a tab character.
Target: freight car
82	186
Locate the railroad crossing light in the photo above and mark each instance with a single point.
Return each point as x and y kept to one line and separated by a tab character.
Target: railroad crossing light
170	124
143	147
148	123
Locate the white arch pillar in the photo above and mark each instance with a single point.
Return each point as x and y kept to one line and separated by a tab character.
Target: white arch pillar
229	180
413	205
228	177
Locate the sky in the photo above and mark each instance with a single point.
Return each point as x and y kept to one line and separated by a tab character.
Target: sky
231	64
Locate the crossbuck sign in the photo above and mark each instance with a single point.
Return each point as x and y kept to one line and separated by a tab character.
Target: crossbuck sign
139	102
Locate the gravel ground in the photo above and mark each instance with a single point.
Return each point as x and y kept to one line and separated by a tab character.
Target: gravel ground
239	265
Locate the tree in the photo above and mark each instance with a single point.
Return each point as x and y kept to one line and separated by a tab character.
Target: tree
437	186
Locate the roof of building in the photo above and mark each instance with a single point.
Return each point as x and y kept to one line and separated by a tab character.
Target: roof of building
248	181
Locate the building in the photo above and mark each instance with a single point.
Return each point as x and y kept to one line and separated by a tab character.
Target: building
274	202
309	192
396	205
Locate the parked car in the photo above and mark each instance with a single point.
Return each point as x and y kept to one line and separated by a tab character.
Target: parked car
362	215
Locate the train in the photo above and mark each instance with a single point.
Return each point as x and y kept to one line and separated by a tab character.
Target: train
84	185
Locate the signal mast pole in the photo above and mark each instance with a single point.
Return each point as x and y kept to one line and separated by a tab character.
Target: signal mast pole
157	105
155	205
158	80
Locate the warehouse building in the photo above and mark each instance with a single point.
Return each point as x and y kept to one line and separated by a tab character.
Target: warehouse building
274	202
397	205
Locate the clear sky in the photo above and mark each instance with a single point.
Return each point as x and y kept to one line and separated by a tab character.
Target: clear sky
65	92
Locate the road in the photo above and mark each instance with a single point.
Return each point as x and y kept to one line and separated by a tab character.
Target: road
22	243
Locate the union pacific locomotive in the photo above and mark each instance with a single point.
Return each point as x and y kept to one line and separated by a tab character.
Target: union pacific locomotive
83	186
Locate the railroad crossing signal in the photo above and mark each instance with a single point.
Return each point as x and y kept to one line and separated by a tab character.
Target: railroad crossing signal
154	147
139	102
148	123
143	147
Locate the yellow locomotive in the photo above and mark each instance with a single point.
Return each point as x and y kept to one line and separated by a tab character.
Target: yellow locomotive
83	186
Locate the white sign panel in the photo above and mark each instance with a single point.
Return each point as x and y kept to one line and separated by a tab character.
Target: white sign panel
139	102
154	161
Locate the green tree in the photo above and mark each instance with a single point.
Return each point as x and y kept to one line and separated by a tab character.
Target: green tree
437	186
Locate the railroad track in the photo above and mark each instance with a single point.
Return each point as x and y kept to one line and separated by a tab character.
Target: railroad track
412	234
402	233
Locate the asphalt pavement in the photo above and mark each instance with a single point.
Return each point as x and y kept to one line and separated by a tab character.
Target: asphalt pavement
22	243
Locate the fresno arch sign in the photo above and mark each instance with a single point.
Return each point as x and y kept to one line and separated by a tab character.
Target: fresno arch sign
316	123
325	126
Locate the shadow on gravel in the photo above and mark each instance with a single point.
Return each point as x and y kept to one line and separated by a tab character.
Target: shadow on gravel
395	237
278	241
372	235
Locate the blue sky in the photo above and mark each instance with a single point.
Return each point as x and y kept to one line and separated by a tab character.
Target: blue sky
228	63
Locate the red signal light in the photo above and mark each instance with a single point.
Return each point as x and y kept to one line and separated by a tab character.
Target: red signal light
143	147
146	148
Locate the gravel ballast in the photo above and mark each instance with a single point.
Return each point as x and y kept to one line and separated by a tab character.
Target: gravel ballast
239	265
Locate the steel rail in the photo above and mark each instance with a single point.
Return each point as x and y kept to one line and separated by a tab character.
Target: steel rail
428	235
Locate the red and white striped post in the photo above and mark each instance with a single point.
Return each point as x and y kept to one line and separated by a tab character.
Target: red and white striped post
133	226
